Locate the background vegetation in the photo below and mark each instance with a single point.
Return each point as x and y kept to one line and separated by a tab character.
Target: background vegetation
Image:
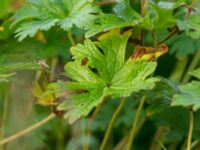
86	74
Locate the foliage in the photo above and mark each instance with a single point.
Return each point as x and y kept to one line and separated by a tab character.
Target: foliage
44	14
6	71
76	59
103	73
189	96
191	26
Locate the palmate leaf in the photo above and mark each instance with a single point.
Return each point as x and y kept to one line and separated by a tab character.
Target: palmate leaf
161	15
183	45
190	94
38	15
124	16
99	69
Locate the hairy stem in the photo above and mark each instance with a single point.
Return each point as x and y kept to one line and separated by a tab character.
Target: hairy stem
135	122
189	140
114	117
27	130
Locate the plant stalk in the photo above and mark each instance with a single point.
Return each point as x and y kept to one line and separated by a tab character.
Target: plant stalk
135	122
191	67
27	130
155	40
169	36
89	130
189	140
144	4
4	116
179	69
71	39
114	117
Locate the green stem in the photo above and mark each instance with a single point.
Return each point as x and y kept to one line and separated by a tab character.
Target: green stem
144	4
90	124
4	116
159	134
69	34
192	66
114	117
27	130
179	69
84	140
155	40
189	140
124	140
133	130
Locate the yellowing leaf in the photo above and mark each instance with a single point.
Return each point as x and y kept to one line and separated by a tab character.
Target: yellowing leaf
43	99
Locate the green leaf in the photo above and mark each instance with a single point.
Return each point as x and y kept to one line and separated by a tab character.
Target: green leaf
126	116
18	66
171	118
159	16
38	15
106	22
6	71
99	69
5	8
183	45
196	73
189	96
161	96
5	77
191	26
124	16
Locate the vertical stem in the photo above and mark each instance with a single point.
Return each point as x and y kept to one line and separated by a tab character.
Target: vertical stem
155	40
159	134
27	130
144	4
84	139
90	123
192	66
143	12
114	117
179	69
133	130
4	116
191	119
69	34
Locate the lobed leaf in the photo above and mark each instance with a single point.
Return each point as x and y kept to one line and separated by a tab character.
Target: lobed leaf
99	69
38	15
124	16
189	97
